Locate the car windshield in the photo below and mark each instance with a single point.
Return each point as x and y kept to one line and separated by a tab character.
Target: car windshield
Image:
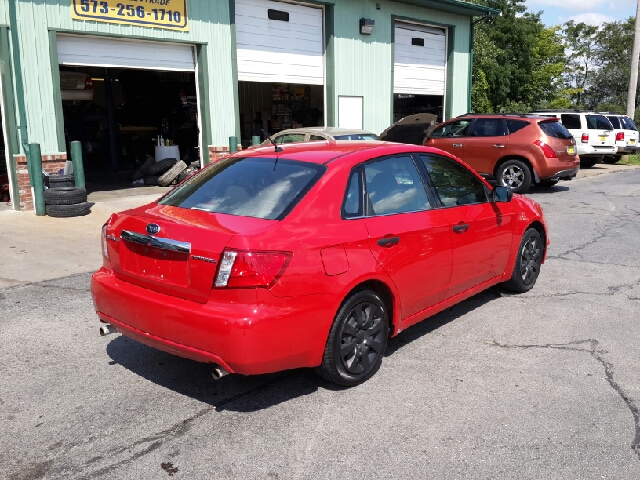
598	122
555	129
356	136
628	124
265	188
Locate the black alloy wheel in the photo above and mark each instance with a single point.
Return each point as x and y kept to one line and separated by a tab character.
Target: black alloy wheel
528	262
357	340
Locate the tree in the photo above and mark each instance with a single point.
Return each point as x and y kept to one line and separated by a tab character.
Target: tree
580	40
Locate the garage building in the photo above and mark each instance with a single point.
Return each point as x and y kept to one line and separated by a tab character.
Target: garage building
123	76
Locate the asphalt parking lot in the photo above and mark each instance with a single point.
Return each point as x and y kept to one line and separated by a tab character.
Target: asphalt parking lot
539	385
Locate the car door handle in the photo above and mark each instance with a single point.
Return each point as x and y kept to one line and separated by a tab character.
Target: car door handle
388	241
456	144
461	228
498	146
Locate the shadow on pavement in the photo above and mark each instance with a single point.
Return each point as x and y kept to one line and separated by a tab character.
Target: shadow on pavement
252	393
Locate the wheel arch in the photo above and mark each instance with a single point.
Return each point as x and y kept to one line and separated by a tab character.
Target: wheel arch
537	225
386	294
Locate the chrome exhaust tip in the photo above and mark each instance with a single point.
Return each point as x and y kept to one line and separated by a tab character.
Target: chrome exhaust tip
107	330
218	372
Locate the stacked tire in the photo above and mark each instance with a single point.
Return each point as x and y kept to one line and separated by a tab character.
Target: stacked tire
67	201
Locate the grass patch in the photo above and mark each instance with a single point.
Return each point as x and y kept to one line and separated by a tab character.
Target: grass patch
631	160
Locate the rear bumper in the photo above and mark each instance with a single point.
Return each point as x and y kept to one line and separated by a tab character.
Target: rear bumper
597	151
248	331
564	174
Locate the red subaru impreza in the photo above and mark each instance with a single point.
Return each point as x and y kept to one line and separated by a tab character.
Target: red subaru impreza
311	256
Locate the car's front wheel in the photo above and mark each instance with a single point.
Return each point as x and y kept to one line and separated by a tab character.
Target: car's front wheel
514	174
527	267
357	340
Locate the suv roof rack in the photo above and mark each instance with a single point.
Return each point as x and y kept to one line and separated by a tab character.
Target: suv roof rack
563	110
521	115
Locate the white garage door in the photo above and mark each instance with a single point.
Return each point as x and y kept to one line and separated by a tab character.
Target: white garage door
84	50
420	57
279	42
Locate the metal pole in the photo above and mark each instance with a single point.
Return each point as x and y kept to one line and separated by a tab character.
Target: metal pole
255	140
633	81
233	142
78	167
36	178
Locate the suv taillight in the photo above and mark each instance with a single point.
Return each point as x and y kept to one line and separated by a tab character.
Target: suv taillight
585	138
620	137
245	269
546	149
88	83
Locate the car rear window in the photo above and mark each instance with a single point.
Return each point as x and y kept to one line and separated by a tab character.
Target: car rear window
598	122
356	136
628	124
554	129
266	188
614	121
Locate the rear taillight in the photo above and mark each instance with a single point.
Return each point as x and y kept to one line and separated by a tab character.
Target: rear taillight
546	149
243	269
620	137
88	83
585	138
105	246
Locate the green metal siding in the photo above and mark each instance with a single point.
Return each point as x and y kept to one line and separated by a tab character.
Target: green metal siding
208	22
363	64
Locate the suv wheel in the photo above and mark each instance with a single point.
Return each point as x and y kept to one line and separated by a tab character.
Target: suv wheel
514	174
611	159
588	162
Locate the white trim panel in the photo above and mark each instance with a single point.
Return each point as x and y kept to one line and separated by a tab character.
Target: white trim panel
279	51
85	50
419	70
350	112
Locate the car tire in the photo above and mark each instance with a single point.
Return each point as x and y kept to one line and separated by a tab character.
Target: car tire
142	171
588	162
611	159
514	174
163	166
57	181
528	262
65	195
65	211
361	322
547	183
151	180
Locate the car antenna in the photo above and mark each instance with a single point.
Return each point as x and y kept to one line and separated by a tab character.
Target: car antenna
278	149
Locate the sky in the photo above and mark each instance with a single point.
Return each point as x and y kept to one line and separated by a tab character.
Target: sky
594	12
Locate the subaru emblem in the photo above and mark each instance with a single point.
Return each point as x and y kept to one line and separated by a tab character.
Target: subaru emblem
153	229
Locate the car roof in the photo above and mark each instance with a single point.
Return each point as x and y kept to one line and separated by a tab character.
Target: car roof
532	116
326	130
324	152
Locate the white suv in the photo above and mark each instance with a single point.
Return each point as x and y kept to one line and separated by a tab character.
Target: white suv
592	131
626	136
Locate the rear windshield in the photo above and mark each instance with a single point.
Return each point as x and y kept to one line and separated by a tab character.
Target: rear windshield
356	136
555	129
614	121
628	124
598	122
248	187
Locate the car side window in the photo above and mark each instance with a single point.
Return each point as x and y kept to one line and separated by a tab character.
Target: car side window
516	125
290	138
454	184
571	121
393	185
457	128
488	127
314	138
352	205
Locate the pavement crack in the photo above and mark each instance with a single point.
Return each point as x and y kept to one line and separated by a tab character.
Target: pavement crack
608	371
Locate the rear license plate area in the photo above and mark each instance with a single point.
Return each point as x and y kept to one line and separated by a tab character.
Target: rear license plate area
571	150
156	264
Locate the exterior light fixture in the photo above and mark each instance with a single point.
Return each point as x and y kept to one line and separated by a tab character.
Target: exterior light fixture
366	26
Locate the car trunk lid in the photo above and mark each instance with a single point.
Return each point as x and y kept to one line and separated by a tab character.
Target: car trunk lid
173	250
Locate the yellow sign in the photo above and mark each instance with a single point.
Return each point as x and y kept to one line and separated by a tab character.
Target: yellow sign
171	14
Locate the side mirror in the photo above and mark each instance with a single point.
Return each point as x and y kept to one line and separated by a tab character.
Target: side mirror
502	194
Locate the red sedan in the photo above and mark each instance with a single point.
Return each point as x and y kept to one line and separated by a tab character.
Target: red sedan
311	256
